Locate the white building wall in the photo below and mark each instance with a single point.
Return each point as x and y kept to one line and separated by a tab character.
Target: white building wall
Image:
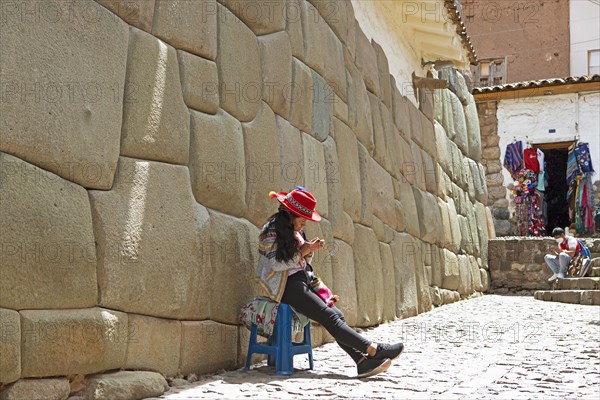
375	19
534	117
584	24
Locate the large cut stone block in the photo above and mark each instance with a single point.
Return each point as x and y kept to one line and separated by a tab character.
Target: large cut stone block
301	97
423	294
444	155
37	389
401	111
384	74
347	154
323	98
217	168
454	245
46	224
315	168
404	251
465	280
466	242
359	106
389	282
199	82
369	273
473	230
482	232
150	235
408	210
58	112
233	257
375	143
276	59
334	189
460	124
262	16
335	15
485	280
429	216
314	31
293	26
446	238
436	266
155	344
344	280
419	173
292	160
124	385
473	130
188	25
156	126
76	341
239	65
382	189
366	61
366	204
335	70
207	346
475	275
10	346
136	13
393	157
447	119
261	167
430	170
450	270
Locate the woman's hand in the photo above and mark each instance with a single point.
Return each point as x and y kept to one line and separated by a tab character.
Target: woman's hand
311	246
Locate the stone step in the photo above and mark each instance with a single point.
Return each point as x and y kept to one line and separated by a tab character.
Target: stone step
591	283
585	297
595	272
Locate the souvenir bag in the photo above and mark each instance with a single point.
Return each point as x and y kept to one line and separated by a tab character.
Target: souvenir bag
320	288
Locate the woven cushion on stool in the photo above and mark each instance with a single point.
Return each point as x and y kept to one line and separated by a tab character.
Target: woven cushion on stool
280	347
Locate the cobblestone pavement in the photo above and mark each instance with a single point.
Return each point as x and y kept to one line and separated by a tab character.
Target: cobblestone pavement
492	347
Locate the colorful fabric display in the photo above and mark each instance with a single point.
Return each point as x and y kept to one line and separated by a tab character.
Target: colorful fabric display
528	205
531	160
584	161
541	158
572	172
513	158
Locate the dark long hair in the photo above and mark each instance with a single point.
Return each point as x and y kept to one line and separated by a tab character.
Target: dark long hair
281	223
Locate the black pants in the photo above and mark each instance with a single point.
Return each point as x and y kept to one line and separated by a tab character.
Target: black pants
299	295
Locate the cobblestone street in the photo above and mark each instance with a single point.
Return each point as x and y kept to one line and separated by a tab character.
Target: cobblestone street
487	347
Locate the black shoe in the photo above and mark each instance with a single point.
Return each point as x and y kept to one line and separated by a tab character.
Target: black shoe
371	366
390	351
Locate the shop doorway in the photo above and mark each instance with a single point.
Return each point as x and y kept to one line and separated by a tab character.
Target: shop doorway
555	195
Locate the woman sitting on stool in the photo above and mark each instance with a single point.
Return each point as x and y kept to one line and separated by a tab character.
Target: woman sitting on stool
282	274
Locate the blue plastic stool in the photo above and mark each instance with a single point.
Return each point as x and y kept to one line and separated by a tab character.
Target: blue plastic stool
279	347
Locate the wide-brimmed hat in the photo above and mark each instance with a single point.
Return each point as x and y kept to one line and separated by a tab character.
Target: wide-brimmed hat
299	202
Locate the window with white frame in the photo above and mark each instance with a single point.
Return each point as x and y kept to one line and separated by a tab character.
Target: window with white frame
593	62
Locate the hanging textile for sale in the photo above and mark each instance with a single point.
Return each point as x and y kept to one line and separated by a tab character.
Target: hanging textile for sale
513	158
528	205
531	160
584	203
572	172
580	194
584	161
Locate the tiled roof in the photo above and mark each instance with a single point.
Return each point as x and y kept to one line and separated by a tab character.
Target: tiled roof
538	84
461	29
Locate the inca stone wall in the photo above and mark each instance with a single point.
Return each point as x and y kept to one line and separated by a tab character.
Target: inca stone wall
138	147
497	193
517	263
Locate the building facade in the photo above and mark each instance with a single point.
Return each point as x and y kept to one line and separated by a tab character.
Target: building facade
518	41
